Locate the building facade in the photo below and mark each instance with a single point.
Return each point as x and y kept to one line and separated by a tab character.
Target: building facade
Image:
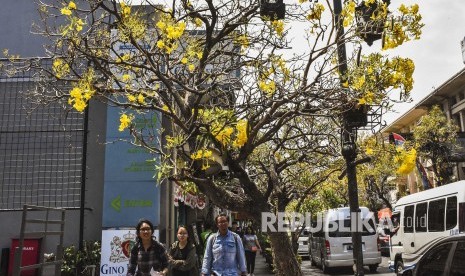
450	97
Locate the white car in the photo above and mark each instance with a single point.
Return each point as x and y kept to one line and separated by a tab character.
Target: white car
303	242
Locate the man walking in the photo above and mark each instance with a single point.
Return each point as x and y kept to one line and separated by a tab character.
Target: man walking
224	252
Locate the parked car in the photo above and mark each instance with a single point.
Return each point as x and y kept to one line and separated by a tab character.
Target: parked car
445	258
303	242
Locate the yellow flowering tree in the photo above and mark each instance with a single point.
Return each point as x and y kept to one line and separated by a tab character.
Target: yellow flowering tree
228	85
376	179
436	138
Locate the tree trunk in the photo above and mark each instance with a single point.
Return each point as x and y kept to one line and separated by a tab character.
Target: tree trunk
284	259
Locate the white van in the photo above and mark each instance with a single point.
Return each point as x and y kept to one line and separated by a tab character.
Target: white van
303	242
330	242
425	218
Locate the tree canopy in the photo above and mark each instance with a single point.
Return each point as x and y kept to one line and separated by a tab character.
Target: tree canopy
249	116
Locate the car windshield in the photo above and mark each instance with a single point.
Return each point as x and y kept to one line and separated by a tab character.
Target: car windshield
344	231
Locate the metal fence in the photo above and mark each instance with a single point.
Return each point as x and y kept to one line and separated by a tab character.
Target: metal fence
41	147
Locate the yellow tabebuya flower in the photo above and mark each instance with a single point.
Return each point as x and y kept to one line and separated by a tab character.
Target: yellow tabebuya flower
131	98
241	136
278	26
141	99
125	9
202	154
406	160
72	5
65	11
316	12
125	121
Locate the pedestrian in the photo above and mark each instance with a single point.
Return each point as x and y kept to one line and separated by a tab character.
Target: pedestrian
236	229
205	234
182	255
251	247
224	253
147	254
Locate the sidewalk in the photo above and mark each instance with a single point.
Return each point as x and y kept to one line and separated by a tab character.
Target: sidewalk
261	267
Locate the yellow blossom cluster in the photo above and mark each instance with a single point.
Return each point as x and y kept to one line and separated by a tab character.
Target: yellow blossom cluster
369	146
191	56
67	10
316	12
241	136
202	154
224	127
60	67
82	92
198	22
348	13
139	98
131	24
267	87
170	32
75	24
125	121
376	74
407	27
278	26
242	40
406	160
268	76
125	10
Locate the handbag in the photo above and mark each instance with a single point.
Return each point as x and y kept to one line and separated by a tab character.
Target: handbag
254	249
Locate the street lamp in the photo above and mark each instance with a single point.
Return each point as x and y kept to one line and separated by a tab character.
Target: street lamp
272	9
355	116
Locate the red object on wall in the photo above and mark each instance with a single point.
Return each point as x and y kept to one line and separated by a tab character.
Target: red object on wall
31	251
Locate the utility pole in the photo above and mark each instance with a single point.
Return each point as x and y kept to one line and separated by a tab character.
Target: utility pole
349	150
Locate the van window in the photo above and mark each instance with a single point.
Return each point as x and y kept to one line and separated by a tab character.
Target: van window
461	217
451	212
436	213
408	219
420	217
347	233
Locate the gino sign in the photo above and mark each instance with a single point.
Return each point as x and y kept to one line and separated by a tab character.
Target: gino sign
116	247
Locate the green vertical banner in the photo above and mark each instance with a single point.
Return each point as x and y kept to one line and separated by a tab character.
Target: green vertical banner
130	186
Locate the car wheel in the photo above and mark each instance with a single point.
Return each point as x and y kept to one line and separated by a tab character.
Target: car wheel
399	267
373	268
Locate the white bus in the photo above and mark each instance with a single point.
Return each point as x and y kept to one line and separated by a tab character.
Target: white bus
330	240
424	219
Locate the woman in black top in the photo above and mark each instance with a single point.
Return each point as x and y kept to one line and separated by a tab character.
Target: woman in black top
147	253
182	255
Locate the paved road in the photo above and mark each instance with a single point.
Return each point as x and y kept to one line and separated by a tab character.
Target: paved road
383	270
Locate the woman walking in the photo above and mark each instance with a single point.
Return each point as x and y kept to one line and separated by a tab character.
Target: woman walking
251	247
147	254
182	255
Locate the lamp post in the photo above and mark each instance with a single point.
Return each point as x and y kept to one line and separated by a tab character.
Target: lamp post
353	118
